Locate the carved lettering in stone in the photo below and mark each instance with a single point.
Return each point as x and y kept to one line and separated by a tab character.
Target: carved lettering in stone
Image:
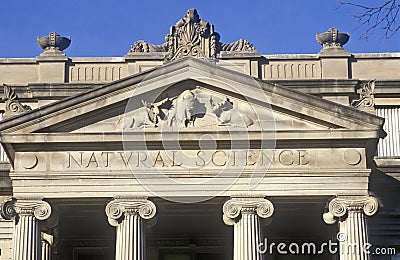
298	157
188	158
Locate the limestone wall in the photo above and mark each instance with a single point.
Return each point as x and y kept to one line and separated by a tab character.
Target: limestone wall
381	66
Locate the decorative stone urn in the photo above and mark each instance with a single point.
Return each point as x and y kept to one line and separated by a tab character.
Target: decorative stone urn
54	44
332	38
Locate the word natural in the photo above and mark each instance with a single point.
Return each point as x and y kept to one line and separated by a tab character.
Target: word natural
191	158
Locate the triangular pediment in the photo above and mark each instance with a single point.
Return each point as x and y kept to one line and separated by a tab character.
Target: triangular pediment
193	95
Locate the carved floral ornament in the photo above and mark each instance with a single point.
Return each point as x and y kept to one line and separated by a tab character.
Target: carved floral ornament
192	36
366	92
12	104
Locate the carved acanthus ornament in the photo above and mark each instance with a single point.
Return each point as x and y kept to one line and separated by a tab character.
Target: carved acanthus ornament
12	104
194	37
118	208
366	92
236	206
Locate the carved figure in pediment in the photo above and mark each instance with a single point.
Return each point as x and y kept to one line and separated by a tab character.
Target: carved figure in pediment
144	116
229	116
185	109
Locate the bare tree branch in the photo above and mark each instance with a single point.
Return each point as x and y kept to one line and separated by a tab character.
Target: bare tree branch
384	16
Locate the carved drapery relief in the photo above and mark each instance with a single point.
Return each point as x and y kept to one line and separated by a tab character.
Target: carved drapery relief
194	37
12	104
185	109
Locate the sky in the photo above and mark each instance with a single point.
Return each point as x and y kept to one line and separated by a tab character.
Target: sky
100	28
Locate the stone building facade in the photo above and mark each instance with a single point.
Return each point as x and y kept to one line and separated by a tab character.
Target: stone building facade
199	149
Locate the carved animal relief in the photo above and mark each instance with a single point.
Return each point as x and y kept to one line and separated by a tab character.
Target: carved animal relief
191	108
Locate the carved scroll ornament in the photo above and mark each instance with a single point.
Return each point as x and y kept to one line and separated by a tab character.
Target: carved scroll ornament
12	103
194	37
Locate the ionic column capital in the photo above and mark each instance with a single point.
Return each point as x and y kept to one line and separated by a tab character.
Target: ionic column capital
339	206
40	209
118	208
236	206
7	210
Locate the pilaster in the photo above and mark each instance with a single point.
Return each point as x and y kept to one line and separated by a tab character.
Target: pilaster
127	215
351	211
244	214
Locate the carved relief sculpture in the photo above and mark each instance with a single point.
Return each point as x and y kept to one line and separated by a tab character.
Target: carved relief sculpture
183	110
12	104
366	92
194	37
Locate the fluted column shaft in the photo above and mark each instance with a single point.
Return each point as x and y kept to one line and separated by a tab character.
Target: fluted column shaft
46	251
126	216
244	214
353	231
27	238
47	241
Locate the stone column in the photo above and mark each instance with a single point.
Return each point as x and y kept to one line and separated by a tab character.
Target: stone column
127	216
47	242
351	211
244	213
27	237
